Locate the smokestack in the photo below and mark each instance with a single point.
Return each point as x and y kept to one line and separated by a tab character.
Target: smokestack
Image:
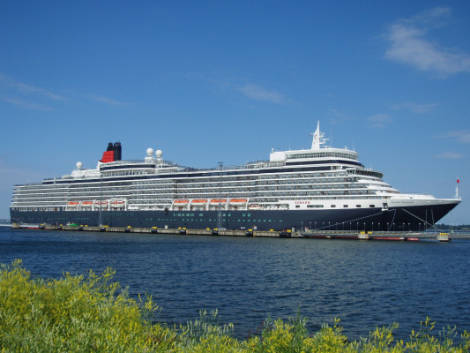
117	151
108	155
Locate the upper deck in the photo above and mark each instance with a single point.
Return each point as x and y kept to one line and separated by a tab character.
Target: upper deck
154	164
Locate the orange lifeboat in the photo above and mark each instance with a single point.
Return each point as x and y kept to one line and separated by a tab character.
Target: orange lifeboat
181	201
73	203
238	200
199	201
117	203
103	202
218	200
87	203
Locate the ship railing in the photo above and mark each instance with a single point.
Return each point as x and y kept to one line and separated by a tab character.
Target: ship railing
250	165
124	162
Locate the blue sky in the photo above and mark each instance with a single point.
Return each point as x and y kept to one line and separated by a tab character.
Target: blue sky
228	81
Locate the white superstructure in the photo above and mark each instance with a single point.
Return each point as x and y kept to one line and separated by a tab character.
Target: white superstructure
320	178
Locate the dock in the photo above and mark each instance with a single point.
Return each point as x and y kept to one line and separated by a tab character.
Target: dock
379	235
310	234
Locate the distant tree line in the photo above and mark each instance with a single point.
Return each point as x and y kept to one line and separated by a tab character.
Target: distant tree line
443	226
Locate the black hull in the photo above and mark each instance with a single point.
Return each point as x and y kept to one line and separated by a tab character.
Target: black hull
415	218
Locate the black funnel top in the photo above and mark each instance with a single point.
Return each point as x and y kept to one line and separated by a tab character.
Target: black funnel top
117	151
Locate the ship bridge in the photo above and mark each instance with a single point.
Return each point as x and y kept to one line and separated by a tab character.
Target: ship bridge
316	154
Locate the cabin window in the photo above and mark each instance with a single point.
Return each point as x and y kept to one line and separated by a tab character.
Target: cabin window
333	206
358	205
371	205
345	206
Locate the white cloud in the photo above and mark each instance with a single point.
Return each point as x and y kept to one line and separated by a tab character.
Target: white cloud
26	89
337	116
449	155
409	44
17	88
415	107
379	120
27	105
261	94
107	100
462	136
241	85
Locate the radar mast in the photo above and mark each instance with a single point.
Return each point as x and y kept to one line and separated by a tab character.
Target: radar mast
318	138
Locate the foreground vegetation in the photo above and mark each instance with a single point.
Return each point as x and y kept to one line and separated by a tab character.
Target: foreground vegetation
93	314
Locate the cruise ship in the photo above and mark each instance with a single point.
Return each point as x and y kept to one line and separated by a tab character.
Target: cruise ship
319	188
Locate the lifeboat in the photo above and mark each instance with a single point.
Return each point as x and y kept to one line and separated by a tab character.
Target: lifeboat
102	202
73	203
238	201
199	201
218	200
117	203
181	202
87	203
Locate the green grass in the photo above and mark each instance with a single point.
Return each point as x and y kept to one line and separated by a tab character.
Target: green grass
93	314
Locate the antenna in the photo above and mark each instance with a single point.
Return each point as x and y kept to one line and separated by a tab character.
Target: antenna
457	189
318	138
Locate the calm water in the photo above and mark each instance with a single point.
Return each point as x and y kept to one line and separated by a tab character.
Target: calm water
248	279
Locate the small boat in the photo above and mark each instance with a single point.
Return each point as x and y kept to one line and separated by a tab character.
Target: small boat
181	201
219	201
412	239
29	226
238	200
118	203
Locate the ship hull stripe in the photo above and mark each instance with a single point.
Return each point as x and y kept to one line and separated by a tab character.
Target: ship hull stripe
415	218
